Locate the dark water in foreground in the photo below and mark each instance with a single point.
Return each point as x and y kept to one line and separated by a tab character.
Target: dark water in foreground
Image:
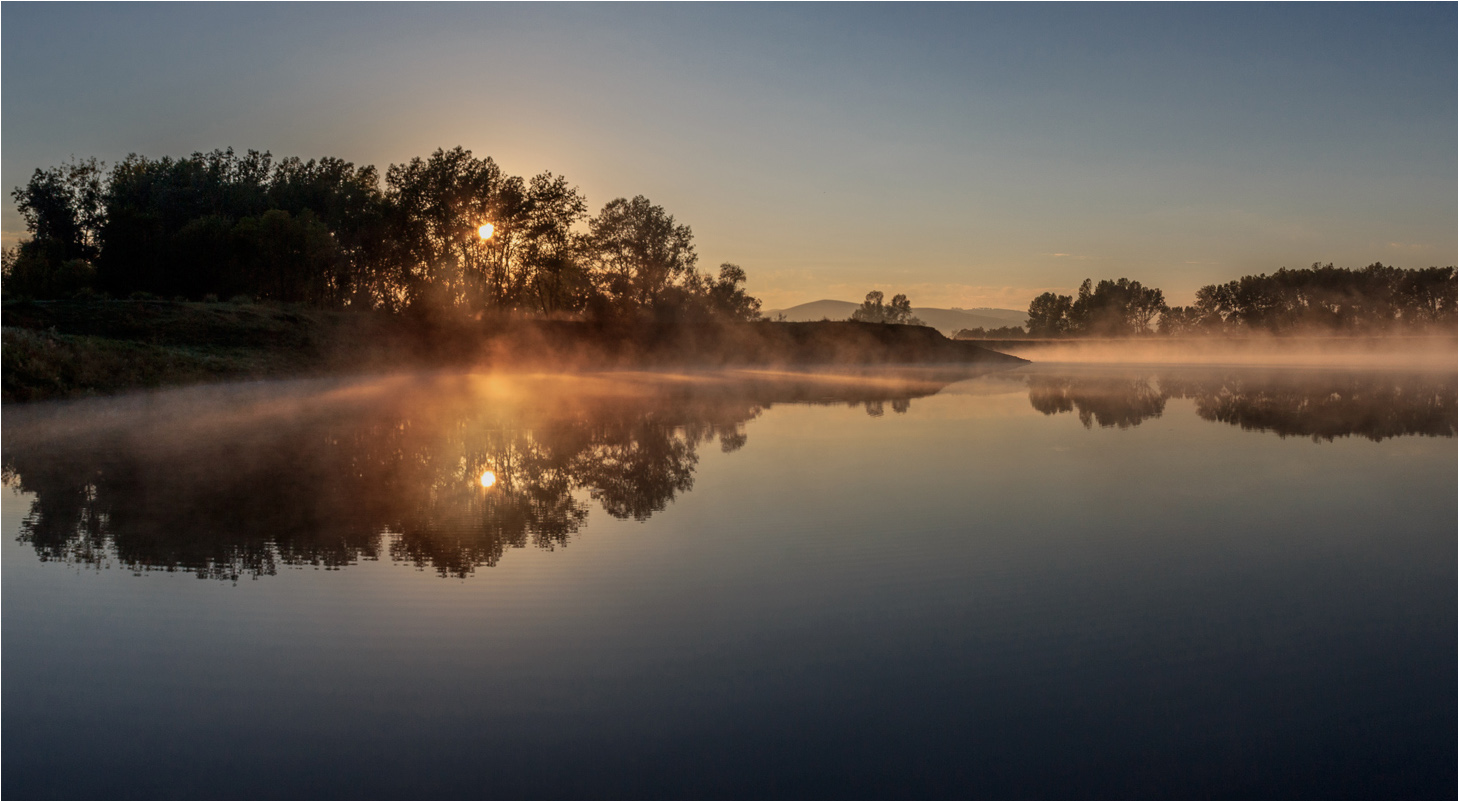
1041	582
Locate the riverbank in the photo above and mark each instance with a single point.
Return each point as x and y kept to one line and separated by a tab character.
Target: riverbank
64	349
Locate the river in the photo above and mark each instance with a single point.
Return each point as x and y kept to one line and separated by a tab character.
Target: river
1048	581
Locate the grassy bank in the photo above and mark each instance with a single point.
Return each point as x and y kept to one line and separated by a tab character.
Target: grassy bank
66	349
41	364
76	348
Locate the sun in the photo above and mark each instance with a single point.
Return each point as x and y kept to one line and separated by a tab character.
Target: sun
488	479
485	230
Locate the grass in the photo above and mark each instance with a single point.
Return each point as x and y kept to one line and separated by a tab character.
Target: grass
64	349
39	365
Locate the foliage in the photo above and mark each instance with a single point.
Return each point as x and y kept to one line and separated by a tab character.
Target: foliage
437	205
1116	308
40	365
1108	309
639	252
1375	299
1048	315
329	234
873	310
62	207
31	273
979	333
728	299
1321	299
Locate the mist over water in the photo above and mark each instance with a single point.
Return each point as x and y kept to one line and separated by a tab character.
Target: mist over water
1051	580
236	481
1335	351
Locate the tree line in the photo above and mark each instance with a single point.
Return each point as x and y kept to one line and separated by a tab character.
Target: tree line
1321	299
447	231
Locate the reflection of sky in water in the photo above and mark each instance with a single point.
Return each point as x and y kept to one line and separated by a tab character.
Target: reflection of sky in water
972	593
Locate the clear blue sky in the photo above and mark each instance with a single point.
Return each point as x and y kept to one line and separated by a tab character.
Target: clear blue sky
969	155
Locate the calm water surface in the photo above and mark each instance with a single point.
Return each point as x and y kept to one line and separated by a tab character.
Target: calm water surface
1038	582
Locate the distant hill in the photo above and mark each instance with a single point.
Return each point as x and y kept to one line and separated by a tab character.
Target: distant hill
947	321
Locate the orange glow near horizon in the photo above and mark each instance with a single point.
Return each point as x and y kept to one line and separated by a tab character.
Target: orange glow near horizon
488	479
485	230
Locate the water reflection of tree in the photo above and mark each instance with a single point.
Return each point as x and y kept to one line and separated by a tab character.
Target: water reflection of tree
1108	401
1322	406
399	479
1327	406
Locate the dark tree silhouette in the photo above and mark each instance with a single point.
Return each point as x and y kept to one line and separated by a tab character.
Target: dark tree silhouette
326	233
898	310
1049	315
1324	298
639	253
980	333
1108	309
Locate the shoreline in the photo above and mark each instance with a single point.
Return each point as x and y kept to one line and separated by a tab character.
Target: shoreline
71	349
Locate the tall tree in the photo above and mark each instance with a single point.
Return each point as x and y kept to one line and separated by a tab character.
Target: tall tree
438	204
347	201
1048	315
63	208
639	252
550	275
728	299
1115	308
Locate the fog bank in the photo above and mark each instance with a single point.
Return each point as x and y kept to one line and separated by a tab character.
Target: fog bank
1410	353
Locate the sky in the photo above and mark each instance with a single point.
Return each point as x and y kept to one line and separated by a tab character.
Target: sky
968	155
